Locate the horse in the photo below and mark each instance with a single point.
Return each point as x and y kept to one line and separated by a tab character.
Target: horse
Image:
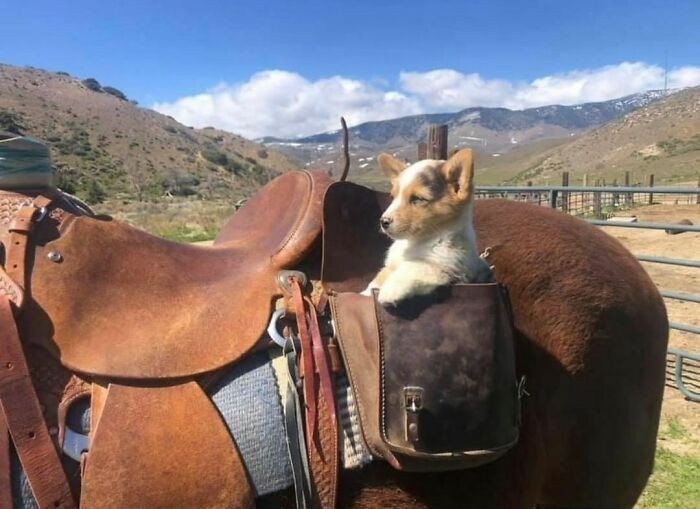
590	333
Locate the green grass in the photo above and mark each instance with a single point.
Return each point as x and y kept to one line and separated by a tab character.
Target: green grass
675	483
187	234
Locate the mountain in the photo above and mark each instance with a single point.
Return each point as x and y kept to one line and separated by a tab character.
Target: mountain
104	145
662	138
490	131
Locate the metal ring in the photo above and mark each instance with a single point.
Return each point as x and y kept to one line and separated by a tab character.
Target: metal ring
272	328
42	214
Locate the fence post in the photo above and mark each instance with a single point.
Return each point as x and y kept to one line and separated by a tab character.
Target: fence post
437	141
651	184
597	209
553	198
422	150
585	180
628	196
565	195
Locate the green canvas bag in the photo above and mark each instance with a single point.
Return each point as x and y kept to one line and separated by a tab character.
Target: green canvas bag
25	163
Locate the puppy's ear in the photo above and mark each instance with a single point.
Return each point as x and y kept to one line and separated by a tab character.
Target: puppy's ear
391	166
458	172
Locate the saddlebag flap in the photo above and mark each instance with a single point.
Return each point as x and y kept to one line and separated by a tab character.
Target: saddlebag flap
434	378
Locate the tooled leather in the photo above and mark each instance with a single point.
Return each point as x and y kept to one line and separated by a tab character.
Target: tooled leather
10	289
10	203
323	456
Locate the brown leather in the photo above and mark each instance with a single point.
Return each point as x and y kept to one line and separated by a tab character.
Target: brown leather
10	289
19	230
5	481
25	422
98	397
319	401
282	219
353	245
455	348
109	271
323	447
323	456
355	322
163	447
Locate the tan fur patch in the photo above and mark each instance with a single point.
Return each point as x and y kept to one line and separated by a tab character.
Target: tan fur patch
433	198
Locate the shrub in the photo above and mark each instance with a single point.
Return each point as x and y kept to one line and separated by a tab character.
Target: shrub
94	192
12	122
214	156
92	84
115	92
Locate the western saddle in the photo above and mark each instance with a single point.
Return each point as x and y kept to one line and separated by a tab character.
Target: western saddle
94	310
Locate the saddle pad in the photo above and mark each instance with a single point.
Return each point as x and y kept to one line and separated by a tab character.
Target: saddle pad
247	398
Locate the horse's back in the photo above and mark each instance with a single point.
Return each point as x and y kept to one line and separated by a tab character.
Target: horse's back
592	340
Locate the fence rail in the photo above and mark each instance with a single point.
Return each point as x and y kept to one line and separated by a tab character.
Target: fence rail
597	205
593	202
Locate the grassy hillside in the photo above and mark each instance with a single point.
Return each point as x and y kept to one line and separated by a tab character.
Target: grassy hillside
662	138
105	146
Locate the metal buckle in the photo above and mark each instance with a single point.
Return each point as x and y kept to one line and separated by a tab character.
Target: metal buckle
42	213
284	276
413	399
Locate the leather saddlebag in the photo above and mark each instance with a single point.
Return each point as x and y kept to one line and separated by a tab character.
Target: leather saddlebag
434	378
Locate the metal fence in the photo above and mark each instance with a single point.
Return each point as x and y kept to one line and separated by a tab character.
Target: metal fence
597	205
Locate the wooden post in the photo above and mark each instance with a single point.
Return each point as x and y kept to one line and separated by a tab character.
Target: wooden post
628	196
597	209
585	180
422	150
437	141
651	184
565	196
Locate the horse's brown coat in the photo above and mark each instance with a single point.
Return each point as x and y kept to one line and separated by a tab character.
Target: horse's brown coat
591	339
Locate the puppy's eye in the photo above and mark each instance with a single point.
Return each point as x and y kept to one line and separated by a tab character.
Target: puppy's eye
416	200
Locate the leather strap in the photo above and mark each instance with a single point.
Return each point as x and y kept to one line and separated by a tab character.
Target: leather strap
294	427
5	481
21	226
319	401
24	419
323	447
307	359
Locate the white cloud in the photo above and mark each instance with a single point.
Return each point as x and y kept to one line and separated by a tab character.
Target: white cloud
281	103
285	104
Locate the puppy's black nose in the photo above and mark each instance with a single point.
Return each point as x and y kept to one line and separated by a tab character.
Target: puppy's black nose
385	222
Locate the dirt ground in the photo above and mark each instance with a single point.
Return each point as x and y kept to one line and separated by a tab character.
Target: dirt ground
685	245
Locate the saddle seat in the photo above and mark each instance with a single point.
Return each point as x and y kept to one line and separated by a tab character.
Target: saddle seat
125	304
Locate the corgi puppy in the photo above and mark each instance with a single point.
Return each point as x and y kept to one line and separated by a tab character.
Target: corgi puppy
430	221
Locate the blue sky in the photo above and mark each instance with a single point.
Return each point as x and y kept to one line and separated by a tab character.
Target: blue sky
162	53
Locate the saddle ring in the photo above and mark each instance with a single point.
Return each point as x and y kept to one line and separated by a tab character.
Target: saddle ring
272	328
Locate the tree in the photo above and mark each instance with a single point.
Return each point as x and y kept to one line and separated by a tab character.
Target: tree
139	178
